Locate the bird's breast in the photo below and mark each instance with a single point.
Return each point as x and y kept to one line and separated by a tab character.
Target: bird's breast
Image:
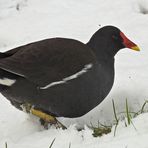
105	71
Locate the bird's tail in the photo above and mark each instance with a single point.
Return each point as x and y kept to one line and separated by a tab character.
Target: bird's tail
6	79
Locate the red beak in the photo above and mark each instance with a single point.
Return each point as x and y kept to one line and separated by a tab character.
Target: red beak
129	44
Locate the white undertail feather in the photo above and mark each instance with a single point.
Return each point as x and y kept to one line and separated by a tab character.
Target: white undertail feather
74	76
7	81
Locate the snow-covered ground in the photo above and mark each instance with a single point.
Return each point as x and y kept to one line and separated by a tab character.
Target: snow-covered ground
24	21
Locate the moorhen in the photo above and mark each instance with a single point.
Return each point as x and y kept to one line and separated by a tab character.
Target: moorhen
61	77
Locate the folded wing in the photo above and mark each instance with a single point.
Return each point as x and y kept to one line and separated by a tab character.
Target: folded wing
48	61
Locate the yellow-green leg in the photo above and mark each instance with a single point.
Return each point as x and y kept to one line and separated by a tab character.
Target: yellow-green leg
48	119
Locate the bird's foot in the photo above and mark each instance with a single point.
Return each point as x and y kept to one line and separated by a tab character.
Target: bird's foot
47	119
26	107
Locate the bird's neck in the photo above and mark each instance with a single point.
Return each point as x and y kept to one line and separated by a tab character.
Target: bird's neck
101	53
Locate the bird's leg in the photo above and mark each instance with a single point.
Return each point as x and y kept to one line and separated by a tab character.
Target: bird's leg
44	123
45	118
48	119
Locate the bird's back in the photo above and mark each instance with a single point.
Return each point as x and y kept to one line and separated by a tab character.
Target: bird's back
61	76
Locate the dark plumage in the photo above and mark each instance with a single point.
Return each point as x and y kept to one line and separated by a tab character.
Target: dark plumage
62	77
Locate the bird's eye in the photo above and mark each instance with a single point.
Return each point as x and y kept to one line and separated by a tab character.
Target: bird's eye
115	37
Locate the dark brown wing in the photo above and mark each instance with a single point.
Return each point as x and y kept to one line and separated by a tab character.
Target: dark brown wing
49	60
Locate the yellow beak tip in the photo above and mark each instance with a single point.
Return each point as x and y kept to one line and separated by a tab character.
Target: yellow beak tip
135	48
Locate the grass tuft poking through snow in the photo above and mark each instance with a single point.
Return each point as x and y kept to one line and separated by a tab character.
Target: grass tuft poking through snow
128	116
100	131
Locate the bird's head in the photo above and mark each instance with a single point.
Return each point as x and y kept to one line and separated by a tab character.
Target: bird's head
109	40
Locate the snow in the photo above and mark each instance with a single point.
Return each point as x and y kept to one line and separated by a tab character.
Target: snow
25	21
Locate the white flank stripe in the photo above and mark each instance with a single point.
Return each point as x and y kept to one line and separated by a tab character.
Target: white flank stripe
7	82
74	76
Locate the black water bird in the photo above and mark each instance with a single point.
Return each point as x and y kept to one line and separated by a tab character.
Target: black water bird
61	77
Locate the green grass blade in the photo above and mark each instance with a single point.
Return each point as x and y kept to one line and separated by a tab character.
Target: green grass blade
115	114
52	143
115	129
128	114
143	106
6	146
69	145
